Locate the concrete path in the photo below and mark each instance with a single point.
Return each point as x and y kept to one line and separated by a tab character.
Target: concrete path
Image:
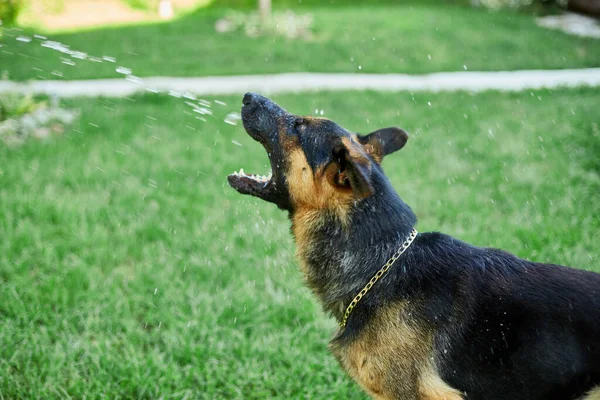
300	82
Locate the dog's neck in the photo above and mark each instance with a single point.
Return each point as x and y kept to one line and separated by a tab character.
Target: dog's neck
338	257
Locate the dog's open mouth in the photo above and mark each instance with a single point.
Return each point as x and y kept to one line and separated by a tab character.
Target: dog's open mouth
261	119
262	186
256	185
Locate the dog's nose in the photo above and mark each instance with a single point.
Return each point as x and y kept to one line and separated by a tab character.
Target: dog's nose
255	99
260	115
249	98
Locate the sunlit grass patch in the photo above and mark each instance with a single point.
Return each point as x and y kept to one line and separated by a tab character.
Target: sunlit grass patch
71	15
402	38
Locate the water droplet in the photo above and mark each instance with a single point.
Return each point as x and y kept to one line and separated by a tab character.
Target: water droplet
202	111
79	55
232	118
57	46
123	70
133	78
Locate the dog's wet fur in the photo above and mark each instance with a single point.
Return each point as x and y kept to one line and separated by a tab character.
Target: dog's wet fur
449	320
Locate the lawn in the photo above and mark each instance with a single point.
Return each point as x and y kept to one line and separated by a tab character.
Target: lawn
129	269
403	38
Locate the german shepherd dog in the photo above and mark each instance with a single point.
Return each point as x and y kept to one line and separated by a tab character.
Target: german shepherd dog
423	316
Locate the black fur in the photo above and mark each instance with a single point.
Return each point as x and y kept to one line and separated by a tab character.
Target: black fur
506	328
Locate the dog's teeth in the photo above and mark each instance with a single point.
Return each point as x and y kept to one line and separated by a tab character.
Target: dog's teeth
259	178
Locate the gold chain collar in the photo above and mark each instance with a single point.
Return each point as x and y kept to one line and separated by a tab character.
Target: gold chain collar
378	275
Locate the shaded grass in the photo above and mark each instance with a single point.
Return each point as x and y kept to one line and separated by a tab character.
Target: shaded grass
403	38
130	269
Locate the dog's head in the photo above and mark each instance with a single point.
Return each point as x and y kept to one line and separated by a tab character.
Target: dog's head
316	164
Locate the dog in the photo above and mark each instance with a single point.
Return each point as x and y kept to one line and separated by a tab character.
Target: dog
422	315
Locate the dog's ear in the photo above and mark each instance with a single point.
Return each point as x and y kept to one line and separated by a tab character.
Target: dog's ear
351	170
383	142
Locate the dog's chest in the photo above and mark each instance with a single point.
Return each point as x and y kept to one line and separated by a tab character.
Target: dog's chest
391	358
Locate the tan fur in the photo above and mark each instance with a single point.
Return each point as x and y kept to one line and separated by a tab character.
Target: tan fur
391	359
312	195
371	149
356	150
303	223
310	119
593	394
432	387
353	147
313	191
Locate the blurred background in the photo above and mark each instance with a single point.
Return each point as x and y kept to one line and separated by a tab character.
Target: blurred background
129	268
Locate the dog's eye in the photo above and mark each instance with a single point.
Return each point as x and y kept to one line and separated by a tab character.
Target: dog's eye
299	123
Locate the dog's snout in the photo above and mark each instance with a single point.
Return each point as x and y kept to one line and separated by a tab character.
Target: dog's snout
255	100
248	99
261	117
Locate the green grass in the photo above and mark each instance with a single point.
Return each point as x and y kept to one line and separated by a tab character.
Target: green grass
377	39
129	269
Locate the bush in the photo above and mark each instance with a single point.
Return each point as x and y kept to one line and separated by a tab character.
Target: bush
13	105
22	117
145	5
9	10
498	4
284	23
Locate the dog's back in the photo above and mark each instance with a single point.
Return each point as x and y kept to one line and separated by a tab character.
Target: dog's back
530	329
